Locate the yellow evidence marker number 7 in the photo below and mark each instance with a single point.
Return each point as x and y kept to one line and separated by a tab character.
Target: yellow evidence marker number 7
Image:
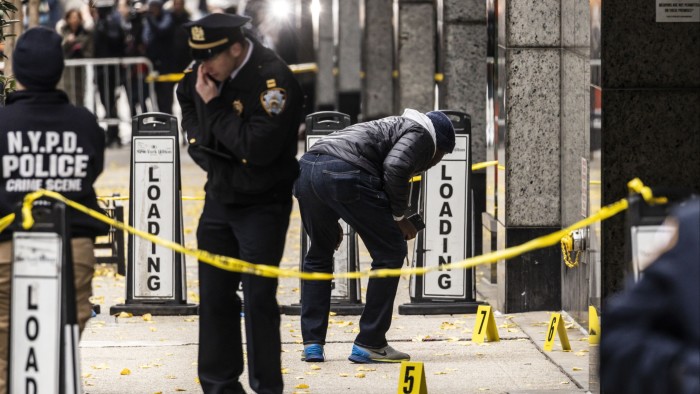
556	326
412	378
485	325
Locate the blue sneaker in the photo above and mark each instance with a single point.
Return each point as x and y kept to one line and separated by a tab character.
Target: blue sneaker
313	353
387	354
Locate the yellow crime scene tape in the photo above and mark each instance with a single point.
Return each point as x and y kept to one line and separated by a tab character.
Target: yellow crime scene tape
237	265
176	77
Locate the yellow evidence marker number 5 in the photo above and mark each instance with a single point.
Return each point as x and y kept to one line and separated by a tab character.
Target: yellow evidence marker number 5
412	378
556	326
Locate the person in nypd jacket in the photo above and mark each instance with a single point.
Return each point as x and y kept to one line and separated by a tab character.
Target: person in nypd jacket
361	174
46	142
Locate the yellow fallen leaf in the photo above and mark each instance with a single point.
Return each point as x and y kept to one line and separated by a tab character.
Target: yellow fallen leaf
563	382
285	371
366	369
86	375
196	380
125	315
332	314
147	317
153	329
190	319
179	389
100	366
343	375
359	375
315	367
125	371
301	386
577	369
311	373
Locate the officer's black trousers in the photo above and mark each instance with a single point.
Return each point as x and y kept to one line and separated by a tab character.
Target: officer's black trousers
255	234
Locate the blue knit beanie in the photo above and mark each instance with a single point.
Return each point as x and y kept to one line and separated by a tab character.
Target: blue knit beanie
37	60
444	131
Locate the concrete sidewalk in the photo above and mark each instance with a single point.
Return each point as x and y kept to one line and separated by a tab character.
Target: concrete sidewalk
133	355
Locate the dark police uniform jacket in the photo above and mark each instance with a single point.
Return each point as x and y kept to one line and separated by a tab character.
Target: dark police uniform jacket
393	149
651	332
246	138
48	143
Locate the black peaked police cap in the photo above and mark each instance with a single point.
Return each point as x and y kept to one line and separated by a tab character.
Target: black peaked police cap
212	34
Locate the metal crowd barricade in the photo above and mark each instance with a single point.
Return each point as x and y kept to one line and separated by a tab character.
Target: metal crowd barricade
114	242
87	81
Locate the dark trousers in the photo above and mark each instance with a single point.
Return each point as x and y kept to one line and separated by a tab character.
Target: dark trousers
328	189
165	93
255	234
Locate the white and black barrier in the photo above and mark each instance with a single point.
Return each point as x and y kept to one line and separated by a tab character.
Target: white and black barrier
446	208
646	232
44	335
345	293
155	277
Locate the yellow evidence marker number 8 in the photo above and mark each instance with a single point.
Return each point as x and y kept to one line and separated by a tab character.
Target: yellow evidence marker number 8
412	378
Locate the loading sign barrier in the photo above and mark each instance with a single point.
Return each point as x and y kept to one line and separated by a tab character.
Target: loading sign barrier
155	277
43	355
446	206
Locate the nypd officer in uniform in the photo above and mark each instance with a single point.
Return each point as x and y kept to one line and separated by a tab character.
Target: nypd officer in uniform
241	108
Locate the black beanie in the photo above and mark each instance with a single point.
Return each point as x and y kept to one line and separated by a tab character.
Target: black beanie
37	59
444	131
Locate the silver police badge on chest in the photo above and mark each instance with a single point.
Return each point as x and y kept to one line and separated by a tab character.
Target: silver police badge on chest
273	100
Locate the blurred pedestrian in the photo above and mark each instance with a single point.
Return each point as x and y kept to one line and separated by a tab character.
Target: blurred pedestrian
241	109
361	174
39	126
109	43
77	44
650	339
135	75
158	32
180	47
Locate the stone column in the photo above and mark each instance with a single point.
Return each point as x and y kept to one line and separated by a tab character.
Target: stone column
575	124
463	88
528	190
416	55
377	59
464	85
325	82
348	41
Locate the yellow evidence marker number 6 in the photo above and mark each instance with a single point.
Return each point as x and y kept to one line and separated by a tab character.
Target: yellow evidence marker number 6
412	378
556	326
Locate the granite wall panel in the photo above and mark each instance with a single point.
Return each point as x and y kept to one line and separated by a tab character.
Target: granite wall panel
533	142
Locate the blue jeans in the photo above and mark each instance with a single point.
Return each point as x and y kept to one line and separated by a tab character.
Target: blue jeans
329	189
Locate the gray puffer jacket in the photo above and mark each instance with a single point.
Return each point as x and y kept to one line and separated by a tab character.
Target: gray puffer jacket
393	149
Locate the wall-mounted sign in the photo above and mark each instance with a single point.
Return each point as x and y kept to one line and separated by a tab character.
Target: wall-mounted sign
678	11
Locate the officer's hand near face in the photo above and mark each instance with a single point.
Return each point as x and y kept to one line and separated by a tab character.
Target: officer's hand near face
407	229
205	86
